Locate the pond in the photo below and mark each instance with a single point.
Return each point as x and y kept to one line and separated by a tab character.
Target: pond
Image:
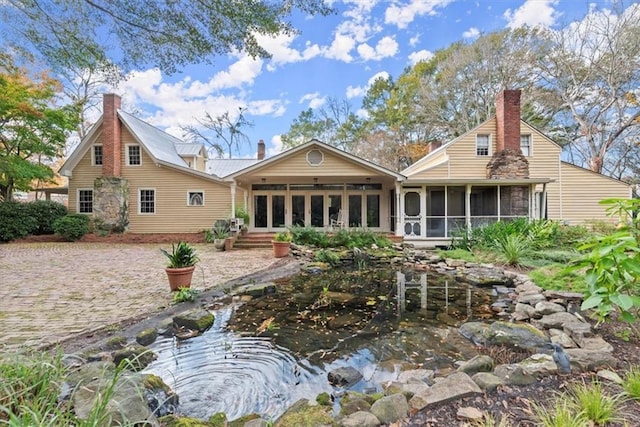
263	354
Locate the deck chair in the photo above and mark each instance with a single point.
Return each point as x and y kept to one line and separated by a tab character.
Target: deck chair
338	221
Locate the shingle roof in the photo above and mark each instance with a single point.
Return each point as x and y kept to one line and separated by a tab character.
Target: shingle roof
224	167
160	144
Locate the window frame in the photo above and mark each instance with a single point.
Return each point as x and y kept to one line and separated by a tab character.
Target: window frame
488	147
530	146
192	193
128	148
155	201
309	153
79	201
94	157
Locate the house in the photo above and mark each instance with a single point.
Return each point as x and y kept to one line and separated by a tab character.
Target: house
131	175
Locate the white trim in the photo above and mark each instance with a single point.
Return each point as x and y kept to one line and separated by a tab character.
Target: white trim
189	192
530	154
126	153
93	155
155	201
78	200
321	157
488	135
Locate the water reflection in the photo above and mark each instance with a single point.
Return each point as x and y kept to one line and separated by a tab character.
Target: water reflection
262	355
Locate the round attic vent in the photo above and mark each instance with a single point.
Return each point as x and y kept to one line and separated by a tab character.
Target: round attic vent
315	157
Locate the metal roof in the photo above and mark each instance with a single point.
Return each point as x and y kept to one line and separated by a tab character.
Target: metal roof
161	145
188	148
225	167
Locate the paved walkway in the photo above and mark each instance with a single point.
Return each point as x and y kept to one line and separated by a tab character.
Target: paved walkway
53	291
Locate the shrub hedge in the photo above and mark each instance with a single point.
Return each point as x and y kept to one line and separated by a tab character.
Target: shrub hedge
72	226
15	221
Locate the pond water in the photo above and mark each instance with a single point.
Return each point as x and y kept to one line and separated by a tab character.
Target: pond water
263	354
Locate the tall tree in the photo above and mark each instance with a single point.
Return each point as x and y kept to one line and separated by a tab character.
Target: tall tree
166	34
221	133
334	124
593	67
32	129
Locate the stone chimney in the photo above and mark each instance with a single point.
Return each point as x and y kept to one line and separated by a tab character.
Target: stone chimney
261	149
508	120
111	145
507	161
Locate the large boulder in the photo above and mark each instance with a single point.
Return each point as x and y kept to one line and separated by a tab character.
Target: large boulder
454	386
390	409
196	320
360	419
344	377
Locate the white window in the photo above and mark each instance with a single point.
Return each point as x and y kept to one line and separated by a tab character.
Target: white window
482	145
195	198
525	145
134	155
147	201
85	201
96	155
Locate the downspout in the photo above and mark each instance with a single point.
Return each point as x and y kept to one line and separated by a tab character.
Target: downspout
399	209
467	209
233	199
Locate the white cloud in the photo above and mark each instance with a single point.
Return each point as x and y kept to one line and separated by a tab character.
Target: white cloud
282	53
340	48
402	15
386	47
414	40
314	100
534	13
471	33
275	147
421	55
357	91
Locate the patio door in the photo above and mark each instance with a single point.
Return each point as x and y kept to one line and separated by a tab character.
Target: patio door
269	211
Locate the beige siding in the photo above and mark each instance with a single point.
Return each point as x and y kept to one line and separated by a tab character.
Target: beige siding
436	172
462	154
331	166
171	187
84	174
583	189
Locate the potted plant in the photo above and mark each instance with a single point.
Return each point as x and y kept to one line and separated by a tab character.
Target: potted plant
220	234
182	262
281	243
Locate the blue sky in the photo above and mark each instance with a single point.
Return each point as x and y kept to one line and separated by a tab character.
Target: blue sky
336	56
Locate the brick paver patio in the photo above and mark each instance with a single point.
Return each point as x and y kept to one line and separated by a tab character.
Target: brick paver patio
53	291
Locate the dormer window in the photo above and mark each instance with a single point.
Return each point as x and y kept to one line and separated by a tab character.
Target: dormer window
96	155
134	155
525	145
482	145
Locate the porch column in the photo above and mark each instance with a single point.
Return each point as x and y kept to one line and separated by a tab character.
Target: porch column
233	200
543	204
399	210
467	208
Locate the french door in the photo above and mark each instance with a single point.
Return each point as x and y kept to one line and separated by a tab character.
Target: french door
269	211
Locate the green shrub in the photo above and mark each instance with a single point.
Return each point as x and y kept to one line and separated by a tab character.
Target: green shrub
72	227
631	383
45	212
327	256
15	221
512	248
309	236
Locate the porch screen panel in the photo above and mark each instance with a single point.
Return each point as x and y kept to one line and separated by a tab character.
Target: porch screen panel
373	210
260	211
484	205
355	210
435	212
456	222
514	201
297	209
277	211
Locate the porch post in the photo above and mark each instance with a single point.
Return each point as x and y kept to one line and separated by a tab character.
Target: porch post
543	204
233	200
467	208
399	210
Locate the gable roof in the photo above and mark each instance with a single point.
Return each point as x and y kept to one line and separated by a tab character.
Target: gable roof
159	145
189	149
288	153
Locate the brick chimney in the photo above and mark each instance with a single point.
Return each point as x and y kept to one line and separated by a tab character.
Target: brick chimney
261	150
508	120
111	144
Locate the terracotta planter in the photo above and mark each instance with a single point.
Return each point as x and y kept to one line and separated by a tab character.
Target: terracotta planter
280	249
228	243
180	277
